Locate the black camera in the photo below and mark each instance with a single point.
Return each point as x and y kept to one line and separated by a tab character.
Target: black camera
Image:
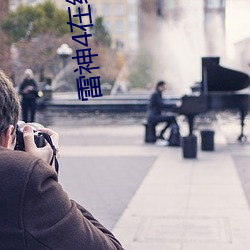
38	137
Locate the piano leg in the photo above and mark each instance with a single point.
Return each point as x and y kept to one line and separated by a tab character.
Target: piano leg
190	123
243	114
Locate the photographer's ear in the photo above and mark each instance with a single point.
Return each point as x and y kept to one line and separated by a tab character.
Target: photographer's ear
7	139
28	138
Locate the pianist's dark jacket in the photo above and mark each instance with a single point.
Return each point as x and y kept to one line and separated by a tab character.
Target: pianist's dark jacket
155	105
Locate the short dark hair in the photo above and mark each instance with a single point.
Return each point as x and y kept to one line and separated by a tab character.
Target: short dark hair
159	84
9	104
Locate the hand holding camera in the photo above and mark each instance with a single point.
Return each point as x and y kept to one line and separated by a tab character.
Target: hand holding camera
38	137
41	142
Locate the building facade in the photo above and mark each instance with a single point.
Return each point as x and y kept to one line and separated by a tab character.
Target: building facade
120	18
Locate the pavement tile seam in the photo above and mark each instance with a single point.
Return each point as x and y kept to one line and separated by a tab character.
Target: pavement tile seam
74	151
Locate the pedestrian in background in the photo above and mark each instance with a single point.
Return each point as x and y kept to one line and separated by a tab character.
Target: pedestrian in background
29	92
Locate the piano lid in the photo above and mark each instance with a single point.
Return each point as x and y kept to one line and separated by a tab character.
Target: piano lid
218	78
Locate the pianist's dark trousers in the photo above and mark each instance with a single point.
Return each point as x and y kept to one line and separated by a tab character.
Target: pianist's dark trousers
168	119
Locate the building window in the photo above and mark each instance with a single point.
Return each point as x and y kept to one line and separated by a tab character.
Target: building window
93	10
119	27
119	9
132	10
108	25
106	9
214	4
132	26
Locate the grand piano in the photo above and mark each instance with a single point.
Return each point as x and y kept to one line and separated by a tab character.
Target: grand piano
220	89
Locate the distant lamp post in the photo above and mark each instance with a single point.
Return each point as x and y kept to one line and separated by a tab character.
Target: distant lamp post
29	31
64	51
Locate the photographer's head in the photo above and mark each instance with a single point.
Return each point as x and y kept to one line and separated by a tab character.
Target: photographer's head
9	112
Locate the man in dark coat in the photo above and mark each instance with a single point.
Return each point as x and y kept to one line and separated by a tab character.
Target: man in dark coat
35	212
155	107
29	92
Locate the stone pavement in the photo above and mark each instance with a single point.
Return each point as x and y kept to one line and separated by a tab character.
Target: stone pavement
187	204
184	204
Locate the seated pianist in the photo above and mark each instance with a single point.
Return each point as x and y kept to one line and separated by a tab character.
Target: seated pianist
155	107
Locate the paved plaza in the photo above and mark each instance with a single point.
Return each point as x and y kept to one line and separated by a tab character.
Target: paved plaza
149	195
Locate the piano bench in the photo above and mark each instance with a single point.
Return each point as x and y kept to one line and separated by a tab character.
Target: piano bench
150	132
